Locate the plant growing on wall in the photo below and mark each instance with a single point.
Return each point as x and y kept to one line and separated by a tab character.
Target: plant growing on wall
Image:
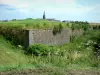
79	24
86	24
72	27
60	28
57	29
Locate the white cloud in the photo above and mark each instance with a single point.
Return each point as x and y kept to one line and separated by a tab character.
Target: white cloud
65	1
15	3
52	7
37	3
63	5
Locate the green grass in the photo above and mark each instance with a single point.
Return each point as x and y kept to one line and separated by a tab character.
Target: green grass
9	54
34	23
42	24
11	57
74	55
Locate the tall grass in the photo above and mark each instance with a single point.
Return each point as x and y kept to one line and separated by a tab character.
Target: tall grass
74	55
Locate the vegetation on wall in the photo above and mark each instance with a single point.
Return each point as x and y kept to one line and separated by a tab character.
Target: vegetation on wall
57	29
80	25
13	34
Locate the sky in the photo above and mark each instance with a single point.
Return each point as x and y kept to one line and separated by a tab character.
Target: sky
75	10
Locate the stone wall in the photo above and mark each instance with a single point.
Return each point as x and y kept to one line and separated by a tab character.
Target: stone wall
46	36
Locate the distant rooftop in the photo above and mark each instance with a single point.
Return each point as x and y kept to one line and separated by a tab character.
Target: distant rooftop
68	21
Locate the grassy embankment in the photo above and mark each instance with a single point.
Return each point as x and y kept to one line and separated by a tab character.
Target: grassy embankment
75	55
30	24
78	54
42	24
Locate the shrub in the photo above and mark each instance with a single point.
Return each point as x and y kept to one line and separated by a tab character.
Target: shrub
57	29
43	50
94	41
38	49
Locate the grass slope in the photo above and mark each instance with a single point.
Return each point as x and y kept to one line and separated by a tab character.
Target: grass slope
74	56
11	57
8	53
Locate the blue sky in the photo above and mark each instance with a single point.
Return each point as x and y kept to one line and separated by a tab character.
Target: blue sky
81	10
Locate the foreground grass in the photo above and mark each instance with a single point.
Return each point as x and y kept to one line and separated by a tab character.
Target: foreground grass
74	55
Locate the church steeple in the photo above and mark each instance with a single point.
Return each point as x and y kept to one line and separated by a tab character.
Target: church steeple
44	17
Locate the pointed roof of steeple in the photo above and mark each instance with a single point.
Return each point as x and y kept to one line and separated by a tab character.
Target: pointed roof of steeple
44	17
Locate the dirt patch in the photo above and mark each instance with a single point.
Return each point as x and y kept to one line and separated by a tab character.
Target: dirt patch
50	71
80	72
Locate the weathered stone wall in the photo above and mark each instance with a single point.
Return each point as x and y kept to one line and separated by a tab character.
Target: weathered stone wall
47	36
77	32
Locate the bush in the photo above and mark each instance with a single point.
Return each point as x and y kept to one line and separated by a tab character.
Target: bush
38	49
13	34
43	50
94	41
57	29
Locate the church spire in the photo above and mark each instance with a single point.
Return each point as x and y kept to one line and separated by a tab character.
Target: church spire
44	17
